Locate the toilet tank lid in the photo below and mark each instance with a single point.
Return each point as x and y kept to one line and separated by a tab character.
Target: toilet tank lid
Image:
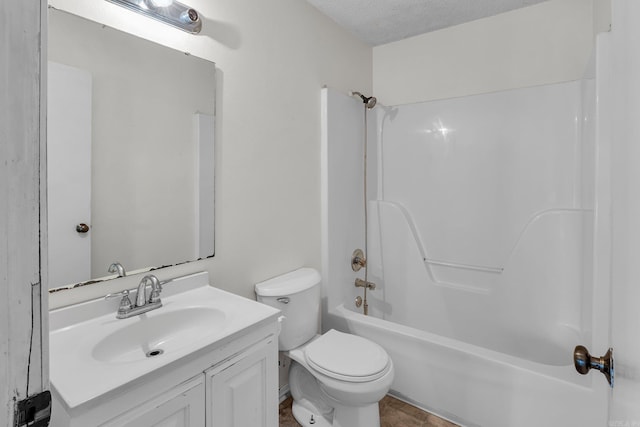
289	283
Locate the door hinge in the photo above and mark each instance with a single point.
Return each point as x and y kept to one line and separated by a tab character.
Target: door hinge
34	411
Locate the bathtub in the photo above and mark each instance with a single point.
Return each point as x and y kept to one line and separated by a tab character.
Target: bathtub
484	284
473	386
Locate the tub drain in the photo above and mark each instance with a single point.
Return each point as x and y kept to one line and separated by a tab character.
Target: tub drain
153	353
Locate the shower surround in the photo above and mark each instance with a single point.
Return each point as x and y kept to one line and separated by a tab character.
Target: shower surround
486	230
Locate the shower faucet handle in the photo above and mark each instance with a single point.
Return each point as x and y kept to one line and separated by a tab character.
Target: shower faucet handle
358	260
125	302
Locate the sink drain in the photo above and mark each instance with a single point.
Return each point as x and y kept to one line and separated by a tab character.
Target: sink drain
154	353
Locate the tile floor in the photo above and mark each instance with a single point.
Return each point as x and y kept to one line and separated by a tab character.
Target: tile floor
393	413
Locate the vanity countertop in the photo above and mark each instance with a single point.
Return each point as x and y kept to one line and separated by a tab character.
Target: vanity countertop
93	353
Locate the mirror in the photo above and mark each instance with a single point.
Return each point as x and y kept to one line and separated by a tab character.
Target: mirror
129	152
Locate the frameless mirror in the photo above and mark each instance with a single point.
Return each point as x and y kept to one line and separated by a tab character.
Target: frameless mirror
129	152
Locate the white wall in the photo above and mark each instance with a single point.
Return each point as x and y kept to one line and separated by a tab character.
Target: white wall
272	59
546	43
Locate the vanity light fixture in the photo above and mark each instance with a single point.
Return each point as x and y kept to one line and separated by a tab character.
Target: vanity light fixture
162	3
168	11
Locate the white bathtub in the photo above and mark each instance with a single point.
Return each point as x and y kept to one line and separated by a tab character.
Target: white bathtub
473	386
490	266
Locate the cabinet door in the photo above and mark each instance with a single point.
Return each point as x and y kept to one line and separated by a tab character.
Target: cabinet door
182	406
243	391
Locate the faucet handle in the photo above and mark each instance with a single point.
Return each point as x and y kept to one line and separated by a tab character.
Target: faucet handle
155	296
155	293
125	302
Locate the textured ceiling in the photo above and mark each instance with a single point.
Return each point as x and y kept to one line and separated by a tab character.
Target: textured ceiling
383	21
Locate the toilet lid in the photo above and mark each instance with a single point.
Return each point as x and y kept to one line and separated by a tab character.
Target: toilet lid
347	357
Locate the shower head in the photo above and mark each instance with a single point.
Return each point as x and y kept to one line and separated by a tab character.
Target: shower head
370	101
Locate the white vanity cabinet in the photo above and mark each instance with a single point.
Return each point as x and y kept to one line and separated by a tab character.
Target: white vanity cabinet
182	406
218	366
240	390
236	386
238	393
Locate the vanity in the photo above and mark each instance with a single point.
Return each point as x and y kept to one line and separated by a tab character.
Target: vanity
122	112
206	357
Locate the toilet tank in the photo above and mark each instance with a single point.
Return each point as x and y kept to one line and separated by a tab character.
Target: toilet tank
297	295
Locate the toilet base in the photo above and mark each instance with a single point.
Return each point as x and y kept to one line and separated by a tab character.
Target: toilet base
349	416
344	416
308	418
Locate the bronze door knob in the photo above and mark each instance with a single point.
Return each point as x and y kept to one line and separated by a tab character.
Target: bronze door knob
82	228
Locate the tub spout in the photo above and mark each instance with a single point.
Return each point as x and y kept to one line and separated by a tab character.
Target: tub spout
365	284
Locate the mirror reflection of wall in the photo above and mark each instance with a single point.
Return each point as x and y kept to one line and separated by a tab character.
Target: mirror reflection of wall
149	140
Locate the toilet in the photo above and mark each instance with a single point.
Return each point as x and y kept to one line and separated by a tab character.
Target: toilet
336	379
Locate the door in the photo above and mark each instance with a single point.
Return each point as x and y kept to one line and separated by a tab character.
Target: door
23	331
625	158
69	174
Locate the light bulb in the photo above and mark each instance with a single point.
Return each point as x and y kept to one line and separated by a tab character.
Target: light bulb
161	3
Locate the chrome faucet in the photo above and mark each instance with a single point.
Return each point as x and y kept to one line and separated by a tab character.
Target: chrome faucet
142	304
156	288
116	267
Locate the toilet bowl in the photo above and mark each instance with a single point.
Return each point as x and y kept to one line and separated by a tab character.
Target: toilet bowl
336	379
351	375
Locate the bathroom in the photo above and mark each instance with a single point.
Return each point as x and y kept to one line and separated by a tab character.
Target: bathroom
271	62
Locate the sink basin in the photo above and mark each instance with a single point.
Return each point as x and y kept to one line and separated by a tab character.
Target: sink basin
92	353
157	333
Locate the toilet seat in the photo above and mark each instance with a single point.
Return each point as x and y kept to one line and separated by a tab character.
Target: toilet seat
347	357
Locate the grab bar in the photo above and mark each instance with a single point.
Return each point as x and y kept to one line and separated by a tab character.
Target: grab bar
423	253
496	270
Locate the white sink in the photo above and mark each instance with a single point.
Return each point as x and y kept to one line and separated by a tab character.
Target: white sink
158	333
92	352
